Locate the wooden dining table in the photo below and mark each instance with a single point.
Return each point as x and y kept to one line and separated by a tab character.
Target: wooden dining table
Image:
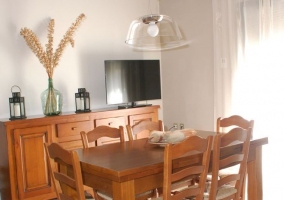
123	170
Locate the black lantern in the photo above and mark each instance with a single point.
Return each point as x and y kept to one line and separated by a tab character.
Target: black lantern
82	100
17	105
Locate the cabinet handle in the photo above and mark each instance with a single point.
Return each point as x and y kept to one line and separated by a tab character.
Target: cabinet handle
74	128
109	123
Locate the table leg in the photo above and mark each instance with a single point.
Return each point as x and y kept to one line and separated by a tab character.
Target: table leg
124	190
254	170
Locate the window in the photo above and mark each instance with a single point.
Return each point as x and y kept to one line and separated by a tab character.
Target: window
249	71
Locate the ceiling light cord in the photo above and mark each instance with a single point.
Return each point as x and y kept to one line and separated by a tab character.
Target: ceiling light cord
149	8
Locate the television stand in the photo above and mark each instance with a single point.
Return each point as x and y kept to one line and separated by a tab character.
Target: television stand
133	105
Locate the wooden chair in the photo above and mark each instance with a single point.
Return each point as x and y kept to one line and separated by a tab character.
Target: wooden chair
221	188
233	121
225	124
142	129
191	144
101	131
68	183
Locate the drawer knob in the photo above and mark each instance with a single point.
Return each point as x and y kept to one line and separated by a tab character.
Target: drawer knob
74	128
109	123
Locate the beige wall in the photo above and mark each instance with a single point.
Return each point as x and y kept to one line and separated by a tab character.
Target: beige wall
188	73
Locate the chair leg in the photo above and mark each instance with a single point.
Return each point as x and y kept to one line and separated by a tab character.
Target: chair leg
243	191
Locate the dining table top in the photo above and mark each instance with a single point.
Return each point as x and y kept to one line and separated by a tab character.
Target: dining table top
133	159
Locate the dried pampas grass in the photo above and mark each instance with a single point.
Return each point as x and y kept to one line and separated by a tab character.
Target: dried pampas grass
50	59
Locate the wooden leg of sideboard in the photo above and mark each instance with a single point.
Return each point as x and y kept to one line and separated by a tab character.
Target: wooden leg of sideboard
254	170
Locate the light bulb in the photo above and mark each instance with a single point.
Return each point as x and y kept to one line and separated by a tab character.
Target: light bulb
153	29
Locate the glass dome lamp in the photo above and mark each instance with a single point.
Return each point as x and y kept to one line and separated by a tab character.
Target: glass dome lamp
154	32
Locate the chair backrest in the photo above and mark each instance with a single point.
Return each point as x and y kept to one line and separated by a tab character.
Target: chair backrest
221	161
192	144
143	128
68	187
233	121
99	132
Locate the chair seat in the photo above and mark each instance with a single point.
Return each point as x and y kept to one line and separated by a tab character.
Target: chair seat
159	198
223	192
104	196
229	170
176	191
145	195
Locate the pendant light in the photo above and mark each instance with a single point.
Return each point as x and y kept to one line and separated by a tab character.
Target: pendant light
154	32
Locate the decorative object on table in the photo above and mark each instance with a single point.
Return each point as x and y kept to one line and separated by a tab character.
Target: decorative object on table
82	101
17	105
173	137
154	32
51	99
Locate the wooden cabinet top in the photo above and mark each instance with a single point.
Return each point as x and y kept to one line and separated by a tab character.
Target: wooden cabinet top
72	116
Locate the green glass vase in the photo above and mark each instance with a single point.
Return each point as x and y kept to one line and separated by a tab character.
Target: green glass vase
51	100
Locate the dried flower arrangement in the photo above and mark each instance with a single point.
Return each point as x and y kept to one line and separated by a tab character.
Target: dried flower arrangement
48	58
51	98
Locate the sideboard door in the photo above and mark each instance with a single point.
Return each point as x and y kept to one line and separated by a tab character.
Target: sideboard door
32	169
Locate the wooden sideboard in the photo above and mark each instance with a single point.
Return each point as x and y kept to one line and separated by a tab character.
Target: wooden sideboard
23	166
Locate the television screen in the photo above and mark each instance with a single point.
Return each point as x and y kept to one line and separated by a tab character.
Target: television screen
129	81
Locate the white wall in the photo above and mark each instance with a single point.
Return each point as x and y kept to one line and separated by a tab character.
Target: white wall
188	73
101	36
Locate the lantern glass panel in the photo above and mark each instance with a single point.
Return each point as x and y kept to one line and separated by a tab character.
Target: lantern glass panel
22	109
87	103
80	103
17	110
12	111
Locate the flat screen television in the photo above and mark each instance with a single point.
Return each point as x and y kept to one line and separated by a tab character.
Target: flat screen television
130	81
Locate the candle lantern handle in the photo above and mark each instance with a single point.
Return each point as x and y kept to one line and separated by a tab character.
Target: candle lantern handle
14	87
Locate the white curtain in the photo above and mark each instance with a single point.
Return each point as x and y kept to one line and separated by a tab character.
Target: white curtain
249	71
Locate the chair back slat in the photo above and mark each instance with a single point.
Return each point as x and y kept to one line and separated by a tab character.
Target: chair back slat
232	160
233	121
189	171
99	132
228	179
143	128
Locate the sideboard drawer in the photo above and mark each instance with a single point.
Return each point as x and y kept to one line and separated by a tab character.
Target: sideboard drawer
114	122
71	131
133	119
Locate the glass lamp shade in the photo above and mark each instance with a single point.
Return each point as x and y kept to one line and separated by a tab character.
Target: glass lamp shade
154	32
